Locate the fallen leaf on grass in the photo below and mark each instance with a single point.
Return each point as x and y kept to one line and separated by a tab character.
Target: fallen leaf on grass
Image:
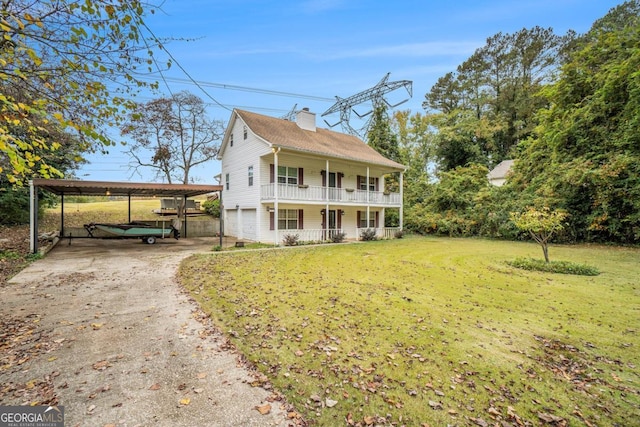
435	405
549	418
155	386
185	401
264	409
202	375
493	411
369	420
96	326
330	403
479	421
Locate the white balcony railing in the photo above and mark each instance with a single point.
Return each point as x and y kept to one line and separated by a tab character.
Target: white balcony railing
322	194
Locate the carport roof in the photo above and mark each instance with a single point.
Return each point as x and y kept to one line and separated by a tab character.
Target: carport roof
101	188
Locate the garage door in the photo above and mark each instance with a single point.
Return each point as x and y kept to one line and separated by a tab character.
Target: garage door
249	219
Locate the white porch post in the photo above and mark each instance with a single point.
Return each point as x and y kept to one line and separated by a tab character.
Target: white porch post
368	198
401	200
275	194
326	207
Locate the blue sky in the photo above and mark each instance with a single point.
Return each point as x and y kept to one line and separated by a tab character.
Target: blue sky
310	51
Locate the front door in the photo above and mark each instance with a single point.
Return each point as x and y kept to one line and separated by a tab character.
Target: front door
329	229
332	220
334	193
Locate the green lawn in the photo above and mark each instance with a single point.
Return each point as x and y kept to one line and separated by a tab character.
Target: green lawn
433	330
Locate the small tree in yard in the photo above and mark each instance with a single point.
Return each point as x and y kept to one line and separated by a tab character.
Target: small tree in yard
541	224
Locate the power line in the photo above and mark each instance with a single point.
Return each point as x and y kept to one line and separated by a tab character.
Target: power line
245	89
186	73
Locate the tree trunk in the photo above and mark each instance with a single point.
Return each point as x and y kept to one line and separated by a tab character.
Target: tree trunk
545	250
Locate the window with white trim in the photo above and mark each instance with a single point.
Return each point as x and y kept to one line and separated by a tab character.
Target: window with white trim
287	175
363	220
244	131
250	175
287	219
372	184
231	139
226	181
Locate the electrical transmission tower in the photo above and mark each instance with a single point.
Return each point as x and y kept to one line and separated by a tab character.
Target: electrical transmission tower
375	95
291	114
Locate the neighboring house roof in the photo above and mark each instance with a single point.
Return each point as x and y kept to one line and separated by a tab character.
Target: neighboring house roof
501	170
288	135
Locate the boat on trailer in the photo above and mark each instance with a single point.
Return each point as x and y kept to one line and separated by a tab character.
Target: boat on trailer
134	230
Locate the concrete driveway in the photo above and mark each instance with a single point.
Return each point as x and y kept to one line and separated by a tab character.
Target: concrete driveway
118	343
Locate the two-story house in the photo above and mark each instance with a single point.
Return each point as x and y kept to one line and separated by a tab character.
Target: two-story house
282	177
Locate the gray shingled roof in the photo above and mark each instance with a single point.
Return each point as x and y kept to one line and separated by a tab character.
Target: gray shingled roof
287	134
501	170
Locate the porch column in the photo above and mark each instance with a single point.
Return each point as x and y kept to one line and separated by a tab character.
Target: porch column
326	207
401	199
275	195
368	198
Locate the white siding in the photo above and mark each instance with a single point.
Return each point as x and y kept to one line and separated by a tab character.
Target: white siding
235	162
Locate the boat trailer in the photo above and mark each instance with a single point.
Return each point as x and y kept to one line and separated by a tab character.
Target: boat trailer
133	230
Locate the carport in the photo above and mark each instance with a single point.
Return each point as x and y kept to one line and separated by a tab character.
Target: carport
64	187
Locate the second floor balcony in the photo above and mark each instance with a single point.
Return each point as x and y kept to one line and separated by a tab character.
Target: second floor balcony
347	196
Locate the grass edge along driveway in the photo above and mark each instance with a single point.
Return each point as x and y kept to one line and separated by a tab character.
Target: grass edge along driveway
433	331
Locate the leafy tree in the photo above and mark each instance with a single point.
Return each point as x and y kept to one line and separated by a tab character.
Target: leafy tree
380	137
172	135
416	152
212	207
69	66
489	104
451	207
541	224
585	157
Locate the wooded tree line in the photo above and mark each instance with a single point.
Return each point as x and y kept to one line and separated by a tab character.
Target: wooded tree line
565	108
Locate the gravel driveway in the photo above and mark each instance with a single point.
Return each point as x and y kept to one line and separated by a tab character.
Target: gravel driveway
102	328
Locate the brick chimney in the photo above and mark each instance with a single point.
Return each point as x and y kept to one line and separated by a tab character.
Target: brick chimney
306	120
